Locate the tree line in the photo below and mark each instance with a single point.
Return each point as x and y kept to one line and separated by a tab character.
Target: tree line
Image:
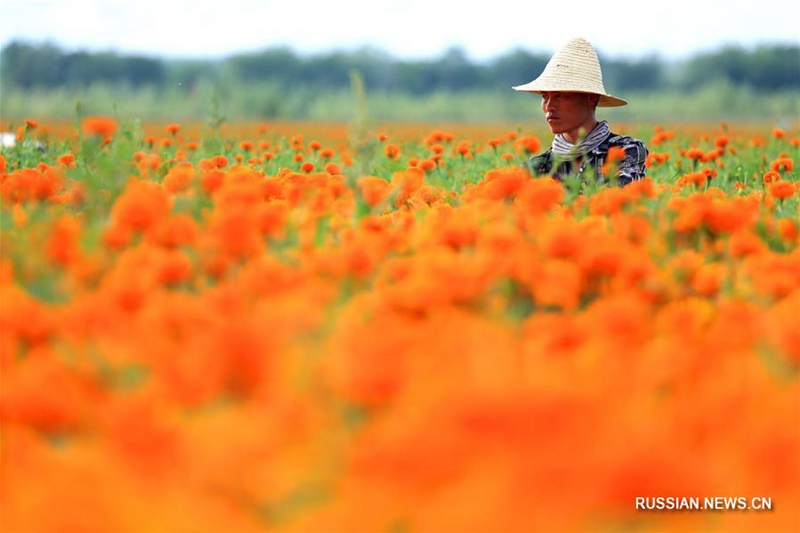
768	68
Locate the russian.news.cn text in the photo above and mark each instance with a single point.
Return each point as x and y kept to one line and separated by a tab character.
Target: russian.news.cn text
711	503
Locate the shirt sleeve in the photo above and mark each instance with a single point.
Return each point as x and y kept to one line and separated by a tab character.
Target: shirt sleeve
539	165
632	167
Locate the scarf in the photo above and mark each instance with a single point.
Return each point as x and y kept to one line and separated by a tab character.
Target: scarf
563	147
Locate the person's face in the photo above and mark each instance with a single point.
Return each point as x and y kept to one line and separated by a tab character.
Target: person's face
568	112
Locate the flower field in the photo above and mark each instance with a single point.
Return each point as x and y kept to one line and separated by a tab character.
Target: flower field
394	330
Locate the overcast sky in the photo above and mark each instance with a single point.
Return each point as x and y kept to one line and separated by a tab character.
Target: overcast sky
403	28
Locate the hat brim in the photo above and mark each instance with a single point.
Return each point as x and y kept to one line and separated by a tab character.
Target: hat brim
606	100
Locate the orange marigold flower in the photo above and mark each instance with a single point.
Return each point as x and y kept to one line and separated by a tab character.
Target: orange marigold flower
216	265
661	136
206	164
693	178
177	230
708	279
438	136
722	141
296	141
333	168
140	206
315	145
529	144
615	153
788	229
608	201
246	146
505	182
782	163
494	143
709	172
99	126
373	189
28	184
713	154
63	241
67	160
539	195
149	162
271	217
236	232
173	129
781	189
771	177
307	167
297	157
463	148
695	154
3	164
369	370
212	179
179	178
392	151
407	182
220	161
778	133
52	410
437	148
724	216
326	153
657	158
427	164
559	283
31	124
508	157
382	137
116	236
176	267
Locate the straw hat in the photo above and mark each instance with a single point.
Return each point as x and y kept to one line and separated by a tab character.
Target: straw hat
574	68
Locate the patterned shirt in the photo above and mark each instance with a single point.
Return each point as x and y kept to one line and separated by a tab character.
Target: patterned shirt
630	168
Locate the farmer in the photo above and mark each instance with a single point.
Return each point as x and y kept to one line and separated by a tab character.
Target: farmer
572	88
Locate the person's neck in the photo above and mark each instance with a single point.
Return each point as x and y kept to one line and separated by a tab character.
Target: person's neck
574	136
